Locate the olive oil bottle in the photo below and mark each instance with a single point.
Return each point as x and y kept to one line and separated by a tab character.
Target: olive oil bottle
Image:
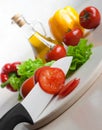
40	43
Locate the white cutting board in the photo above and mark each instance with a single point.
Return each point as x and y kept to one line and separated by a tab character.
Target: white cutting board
87	73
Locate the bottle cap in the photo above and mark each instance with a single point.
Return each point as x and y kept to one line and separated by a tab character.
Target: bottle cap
19	20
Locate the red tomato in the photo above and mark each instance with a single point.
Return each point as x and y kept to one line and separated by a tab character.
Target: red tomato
89	17
68	88
51	80
36	75
57	52
72	37
27	86
14	66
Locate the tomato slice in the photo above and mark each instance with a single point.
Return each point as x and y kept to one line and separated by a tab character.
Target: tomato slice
27	86
51	80
36	75
68	88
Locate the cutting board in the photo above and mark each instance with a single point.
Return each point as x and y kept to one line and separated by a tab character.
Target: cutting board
87	73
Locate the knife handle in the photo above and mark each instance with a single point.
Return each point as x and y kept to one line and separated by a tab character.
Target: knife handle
15	116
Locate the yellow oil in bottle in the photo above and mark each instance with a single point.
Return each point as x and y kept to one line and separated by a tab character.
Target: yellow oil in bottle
40	48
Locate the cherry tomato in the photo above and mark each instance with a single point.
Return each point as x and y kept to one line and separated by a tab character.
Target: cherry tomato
72	37
51	80
14	66
36	75
27	86
6	68
57	52
89	17
68	88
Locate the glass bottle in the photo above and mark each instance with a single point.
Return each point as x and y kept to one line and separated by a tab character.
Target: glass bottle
40	43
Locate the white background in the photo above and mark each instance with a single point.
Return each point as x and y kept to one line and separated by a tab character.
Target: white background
86	113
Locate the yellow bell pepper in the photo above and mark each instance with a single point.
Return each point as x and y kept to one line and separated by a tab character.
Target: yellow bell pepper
62	21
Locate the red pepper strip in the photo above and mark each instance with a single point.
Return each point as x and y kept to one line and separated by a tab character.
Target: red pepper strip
68	88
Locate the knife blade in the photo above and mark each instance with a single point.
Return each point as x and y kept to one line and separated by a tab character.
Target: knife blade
33	104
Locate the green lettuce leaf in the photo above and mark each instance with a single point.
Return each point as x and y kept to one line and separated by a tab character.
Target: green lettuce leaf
27	68
81	53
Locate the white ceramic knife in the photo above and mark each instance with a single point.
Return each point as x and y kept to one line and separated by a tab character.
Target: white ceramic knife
34	104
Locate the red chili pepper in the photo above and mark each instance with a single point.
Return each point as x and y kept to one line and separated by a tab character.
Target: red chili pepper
5	81
14	66
7	69
3	77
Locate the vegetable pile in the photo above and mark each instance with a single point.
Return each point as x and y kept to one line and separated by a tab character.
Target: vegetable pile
51	80
13	79
68	27
63	20
26	70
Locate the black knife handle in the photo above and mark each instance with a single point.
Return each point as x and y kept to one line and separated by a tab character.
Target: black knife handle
15	116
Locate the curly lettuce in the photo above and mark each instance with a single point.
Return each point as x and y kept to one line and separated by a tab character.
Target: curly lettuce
81	53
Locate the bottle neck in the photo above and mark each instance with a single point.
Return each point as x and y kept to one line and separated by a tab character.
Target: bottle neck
24	25
28	30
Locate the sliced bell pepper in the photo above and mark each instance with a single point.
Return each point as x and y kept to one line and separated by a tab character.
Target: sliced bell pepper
63	20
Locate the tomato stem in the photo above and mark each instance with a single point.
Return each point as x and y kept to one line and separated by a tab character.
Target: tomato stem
69	30
86	15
